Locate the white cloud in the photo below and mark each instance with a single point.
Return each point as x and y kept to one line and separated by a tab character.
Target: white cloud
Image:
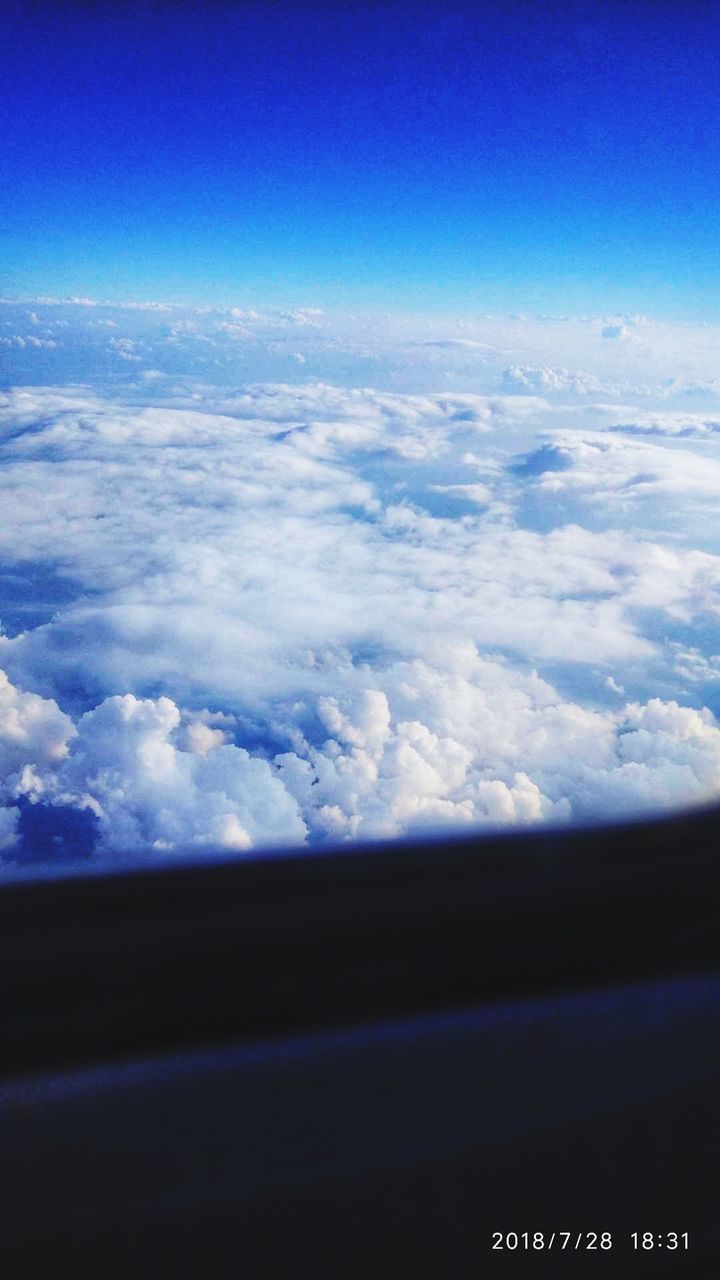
667	754
271	611
125	348
461	344
33	731
193	528
478	493
483	745
692	664
30	340
612	468
558	355
150	796
547	380
649	422
9	837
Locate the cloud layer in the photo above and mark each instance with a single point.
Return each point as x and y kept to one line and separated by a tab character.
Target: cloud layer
250	614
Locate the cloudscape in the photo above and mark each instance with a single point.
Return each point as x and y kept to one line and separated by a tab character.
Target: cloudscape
341	559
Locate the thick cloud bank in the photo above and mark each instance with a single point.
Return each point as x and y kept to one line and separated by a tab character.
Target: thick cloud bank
248	614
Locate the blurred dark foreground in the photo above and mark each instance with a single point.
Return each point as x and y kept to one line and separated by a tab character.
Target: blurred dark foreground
367	1063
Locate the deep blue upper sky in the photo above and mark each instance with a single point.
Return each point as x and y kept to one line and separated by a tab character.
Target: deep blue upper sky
444	156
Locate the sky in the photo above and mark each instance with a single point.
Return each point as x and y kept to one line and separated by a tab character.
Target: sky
514	156
359	424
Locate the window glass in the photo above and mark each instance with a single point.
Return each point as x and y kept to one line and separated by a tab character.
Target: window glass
360	426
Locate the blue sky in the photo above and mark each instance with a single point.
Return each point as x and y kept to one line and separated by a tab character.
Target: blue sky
559	157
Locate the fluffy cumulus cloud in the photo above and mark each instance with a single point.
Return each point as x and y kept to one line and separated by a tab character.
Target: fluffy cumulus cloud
33	730
239	613
547	379
149	794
